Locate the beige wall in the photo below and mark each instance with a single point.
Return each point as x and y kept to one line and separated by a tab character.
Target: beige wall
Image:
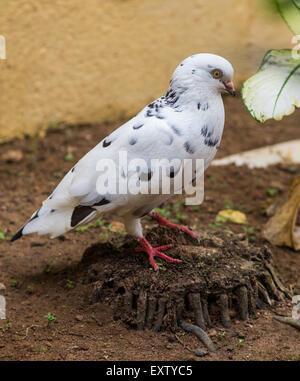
80	61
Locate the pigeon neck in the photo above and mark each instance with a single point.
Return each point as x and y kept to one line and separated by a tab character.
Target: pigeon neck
184	97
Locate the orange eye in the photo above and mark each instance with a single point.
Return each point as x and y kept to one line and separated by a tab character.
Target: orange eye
217	73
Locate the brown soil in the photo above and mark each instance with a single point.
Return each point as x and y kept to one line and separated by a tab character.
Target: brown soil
43	275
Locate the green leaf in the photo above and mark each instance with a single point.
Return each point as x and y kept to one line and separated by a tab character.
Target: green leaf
69	157
99	222
83	228
271	192
2	234
290	12
296	3
164	212
274	91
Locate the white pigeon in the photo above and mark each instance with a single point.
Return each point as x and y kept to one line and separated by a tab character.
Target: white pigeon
186	123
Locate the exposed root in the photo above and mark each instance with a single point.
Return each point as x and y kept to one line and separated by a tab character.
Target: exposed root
289	321
224	310
160	314
152	302
202	335
195	302
223	275
242	295
128	298
264	294
141	310
205	313
277	281
270	285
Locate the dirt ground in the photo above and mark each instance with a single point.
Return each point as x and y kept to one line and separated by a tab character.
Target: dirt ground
44	276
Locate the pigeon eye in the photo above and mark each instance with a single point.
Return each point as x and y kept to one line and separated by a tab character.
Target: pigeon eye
217	73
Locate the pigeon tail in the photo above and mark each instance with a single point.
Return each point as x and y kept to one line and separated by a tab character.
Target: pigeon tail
55	222
18	235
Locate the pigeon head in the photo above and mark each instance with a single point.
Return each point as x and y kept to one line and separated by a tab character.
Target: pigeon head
205	73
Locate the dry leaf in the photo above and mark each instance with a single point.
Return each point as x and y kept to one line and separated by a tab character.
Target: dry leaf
233	216
281	229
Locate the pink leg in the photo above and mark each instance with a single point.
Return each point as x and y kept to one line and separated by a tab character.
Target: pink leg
162	221
154	251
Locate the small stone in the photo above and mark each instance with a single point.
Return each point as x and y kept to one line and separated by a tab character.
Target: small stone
12	156
212	332
200	353
278	185
2	307
80	348
79	317
37	244
171	339
117	226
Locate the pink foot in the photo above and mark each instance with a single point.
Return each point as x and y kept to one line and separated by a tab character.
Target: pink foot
164	222
155	251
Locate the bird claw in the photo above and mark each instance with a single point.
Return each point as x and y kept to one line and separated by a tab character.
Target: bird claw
155	252
164	222
163	247
188	231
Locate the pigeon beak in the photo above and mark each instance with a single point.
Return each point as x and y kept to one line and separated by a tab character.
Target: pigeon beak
229	87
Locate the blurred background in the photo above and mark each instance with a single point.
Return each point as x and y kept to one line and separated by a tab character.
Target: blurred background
78	70
74	62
